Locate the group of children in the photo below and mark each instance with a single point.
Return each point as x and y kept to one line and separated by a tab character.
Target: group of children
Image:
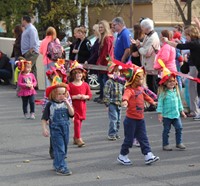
123	89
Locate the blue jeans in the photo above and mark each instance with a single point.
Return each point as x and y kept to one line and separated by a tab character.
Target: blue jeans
31	101
134	128
102	78
59	130
46	68
166	130
114	114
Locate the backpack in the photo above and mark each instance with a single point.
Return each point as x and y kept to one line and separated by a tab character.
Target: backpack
54	50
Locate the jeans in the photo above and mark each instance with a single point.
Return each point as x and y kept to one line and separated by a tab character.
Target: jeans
102	78
59	130
114	114
134	128
6	75
152	83
32	56
166	130
31	101
46	68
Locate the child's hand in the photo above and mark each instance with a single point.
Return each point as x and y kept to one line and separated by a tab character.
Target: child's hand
45	132
124	104
155	103
183	114
160	118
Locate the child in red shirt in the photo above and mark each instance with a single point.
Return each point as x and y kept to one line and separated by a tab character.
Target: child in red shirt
79	92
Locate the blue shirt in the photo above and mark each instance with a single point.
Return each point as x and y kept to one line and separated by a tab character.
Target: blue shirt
122	43
169	104
30	39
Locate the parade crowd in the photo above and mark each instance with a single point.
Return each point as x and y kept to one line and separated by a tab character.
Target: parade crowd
143	71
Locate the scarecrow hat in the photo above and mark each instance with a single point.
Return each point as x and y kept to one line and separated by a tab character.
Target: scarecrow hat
21	64
166	73
75	65
50	88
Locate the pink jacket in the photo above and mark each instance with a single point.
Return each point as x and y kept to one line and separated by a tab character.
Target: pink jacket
168	54
43	49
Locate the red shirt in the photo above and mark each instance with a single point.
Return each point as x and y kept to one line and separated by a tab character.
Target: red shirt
80	105
135	98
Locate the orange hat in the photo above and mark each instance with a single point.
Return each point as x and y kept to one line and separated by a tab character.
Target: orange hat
166	73
50	88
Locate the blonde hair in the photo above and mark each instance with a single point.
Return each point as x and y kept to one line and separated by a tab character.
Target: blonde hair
107	31
51	31
192	31
96	29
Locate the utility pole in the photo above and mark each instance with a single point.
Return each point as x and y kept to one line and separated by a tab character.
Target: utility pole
131	13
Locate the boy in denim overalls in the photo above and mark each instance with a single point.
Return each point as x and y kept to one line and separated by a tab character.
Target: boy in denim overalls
57	113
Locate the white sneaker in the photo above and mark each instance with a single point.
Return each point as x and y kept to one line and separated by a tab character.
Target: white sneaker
124	160
26	116
196	118
150	158
32	116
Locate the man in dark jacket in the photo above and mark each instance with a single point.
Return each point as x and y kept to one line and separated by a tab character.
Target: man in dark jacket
5	69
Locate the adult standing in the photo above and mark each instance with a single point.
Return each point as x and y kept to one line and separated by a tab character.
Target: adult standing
50	36
122	43
30	42
106	49
192	35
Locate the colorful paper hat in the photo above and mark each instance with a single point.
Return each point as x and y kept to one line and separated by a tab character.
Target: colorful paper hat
21	64
75	65
59	74
166	73
50	88
128	70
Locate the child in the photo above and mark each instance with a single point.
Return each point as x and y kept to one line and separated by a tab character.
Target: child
79	92
113	92
134	123
169	109
27	83
57	113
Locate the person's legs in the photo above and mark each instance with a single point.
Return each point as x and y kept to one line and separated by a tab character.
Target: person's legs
24	104
112	114
178	128
32	103
166	129
5	75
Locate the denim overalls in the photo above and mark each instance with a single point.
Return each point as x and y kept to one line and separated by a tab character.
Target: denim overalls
59	130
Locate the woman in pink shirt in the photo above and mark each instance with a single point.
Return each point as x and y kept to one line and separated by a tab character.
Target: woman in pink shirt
167	54
50	36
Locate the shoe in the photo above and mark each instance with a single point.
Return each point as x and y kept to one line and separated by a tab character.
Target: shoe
117	136
64	172
191	114
196	118
181	146
112	138
136	143
79	142
100	101
124	160
26	116
167	148
150	158
32	115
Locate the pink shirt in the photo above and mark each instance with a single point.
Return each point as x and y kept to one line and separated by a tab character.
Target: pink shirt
22	82
43	49
168	54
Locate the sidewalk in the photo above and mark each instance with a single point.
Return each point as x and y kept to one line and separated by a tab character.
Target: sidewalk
95	164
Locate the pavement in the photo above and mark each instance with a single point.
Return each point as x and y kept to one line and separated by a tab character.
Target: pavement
24	158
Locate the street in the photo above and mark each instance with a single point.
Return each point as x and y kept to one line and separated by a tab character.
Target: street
24	158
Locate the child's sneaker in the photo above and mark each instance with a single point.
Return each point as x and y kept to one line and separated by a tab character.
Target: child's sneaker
136	143
32	116
124	160
26	116
64	172
112	138
150	158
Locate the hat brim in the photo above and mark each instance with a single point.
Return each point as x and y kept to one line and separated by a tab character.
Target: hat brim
165	78
50	88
